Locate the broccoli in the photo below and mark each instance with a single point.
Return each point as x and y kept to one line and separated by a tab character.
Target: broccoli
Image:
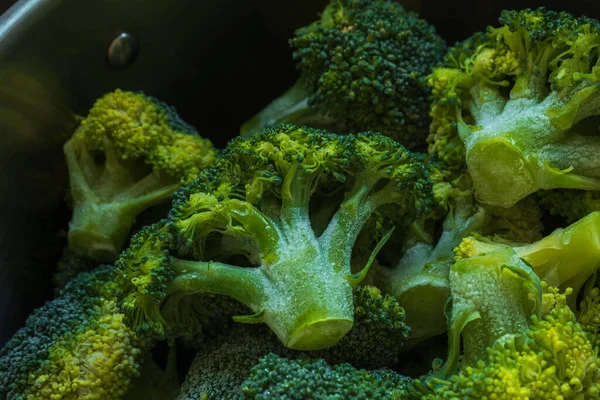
130	153
515	102
509	350
259	193
361	66
75	346
276	377
223	362
420	279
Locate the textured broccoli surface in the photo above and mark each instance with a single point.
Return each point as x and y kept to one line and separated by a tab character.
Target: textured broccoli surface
76	346
515	103
362	65
258	196
129	153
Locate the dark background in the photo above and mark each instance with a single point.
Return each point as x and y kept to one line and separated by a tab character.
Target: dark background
454	19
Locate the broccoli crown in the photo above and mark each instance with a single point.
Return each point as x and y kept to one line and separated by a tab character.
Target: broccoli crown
256	199
507	339
362	64
129	153
513	104
275	377
555	359
570	204
363	61
75	346
140	127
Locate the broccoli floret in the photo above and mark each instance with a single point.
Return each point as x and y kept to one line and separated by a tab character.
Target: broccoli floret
566	258
420	279
515	101
275	377
510	351
69	266
361	65
75	346
130	153
261	190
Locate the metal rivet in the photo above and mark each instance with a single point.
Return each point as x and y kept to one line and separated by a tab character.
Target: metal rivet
122	51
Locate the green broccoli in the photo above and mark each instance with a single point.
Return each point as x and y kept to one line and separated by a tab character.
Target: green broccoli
259	193
276	377
361	65
222	363
420	279
74	347
509	350
130	153
515	102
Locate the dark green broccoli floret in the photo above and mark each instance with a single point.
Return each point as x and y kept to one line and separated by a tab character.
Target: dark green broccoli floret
515	102
361	67
76	346
258	196
129	153
278	378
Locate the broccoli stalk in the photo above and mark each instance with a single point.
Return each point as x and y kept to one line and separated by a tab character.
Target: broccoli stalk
107	200
302	284
520	95
420	280
130	153
361	66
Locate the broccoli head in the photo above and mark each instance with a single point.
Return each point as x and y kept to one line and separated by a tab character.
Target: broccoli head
130	153
361	65
73	347
510	350
516	103
258	195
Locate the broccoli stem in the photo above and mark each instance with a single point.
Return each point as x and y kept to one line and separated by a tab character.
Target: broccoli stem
287	108
420	280
106	201
567	257
292	107
521	151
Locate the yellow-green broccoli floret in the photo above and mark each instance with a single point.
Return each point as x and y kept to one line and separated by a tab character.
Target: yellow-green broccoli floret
258	197
513	104
76	346
129	153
